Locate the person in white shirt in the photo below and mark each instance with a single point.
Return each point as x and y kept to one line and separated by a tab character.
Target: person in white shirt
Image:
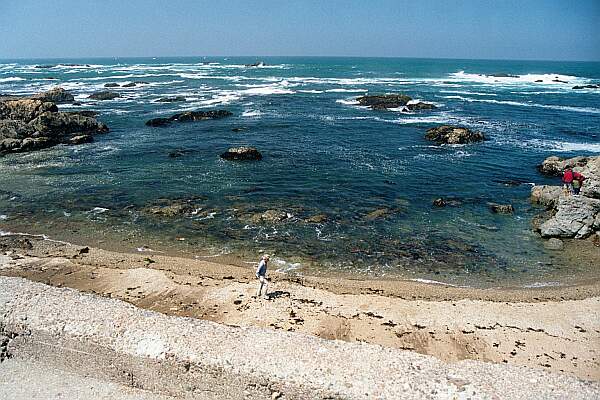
261	274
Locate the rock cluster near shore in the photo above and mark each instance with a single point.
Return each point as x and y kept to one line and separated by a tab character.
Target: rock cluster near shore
448	134
570	216
33	123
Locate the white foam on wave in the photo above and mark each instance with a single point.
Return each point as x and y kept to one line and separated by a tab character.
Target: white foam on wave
11	79
558	146
348	102
468	92
355	90
589	110
311	91
251	113
267	90
525	79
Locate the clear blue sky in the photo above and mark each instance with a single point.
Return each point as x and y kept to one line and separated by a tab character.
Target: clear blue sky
525	29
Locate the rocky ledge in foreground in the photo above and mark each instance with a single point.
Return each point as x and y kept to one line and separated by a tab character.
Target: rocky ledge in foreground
28	124
189	116
448	134
570	216
386	101
243	153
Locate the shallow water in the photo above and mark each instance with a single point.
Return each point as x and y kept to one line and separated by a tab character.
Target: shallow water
322	155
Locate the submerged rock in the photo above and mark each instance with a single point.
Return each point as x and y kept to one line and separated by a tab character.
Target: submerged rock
554	244
317	219
256	64
171	99
112	84
128	85
384	101
439	202
502	208
243	153
447	134
104	95
418	106
592	86
270	216
190	116
57	95
170	208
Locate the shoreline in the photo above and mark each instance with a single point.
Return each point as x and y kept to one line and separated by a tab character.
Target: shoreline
552	328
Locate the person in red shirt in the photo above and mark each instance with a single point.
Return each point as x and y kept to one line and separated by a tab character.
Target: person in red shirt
568	179
578	179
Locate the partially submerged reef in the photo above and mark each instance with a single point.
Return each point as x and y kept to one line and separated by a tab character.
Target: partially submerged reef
389	101
567	215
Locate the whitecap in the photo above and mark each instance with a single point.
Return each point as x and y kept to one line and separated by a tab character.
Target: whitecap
589	110
348	102
251	113
12	79
524	79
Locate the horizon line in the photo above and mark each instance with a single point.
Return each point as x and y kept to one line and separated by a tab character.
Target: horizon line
298	56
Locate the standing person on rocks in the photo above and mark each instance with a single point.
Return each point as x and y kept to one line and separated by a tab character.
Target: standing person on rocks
578	179
568	180
261	274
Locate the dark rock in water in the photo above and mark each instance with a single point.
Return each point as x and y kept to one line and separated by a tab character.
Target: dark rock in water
502	208
104	95
559	81
420	106
256	64
503	75
238	129
384	101
200	115
539	80
57	95
48	66
50	78
158	122
447	134
112	84
509	182
172	207
243	153
30	124
141	83
271	217
190	116
439	202
592	86
388	182
128	85
178	153
171	99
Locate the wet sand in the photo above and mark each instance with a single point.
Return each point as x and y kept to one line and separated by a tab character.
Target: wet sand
554	328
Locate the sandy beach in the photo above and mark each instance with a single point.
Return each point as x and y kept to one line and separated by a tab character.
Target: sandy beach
555	329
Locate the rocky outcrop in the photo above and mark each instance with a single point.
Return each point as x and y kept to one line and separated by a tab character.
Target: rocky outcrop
171	208
592	86
546	195
270	217
502	208
104	95
447	134
570	216
575	218
384	101
32	124
57	95
189	116
111	85
243	153
418	106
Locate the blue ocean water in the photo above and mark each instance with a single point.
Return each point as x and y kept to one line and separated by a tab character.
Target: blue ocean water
323	154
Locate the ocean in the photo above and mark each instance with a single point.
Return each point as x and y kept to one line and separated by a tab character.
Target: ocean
369	175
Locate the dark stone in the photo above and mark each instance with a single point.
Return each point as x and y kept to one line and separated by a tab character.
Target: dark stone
447	134
586	87
104	95
256	64
57	95
141	83
158	122
243	153
130	84
559	81
439	202
190	116
85	113
112	84
539	80
502	208
384	101
178	153
171	99
420	106
48	66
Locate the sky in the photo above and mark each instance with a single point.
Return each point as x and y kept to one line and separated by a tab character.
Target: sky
484	29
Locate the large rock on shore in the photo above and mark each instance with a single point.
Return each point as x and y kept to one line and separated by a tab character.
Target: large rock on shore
57	95
546	195
448	134
384	101
589	167
189	116
30	124
576	217
554	166
243	153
